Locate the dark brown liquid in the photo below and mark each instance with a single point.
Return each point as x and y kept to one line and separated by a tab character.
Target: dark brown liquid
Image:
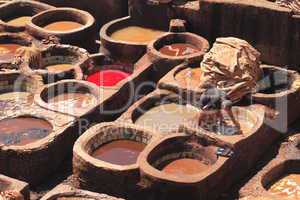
63	26
185	166
287	187
120	152
23	130
72	100
179	49
167	117
189	77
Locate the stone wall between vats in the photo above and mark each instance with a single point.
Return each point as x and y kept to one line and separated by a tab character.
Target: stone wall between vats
103	10
268	27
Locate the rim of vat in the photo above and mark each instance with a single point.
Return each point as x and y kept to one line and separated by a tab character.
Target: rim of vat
151	171
93	90
80	147
5	9
15	184
101	58
17	38
172	38
38	144
252	109
118	24
64	190
82	17
278	171
294	87
73	51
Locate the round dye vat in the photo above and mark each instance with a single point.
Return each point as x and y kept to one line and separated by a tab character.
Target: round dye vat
136	34
59	68
274	81
119	152
63	26
19	21
166	118
189	77
107	77
23	130
179	49
287	188
185	166
72	101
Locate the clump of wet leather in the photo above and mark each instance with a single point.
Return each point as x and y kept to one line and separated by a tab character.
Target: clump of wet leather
233	66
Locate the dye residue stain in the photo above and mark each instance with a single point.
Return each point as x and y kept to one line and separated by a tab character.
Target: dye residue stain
107	77
287	187
119	152
227	128
179	49
16	96
185	166
63	26
189	77
19	21
23	130
57	68
136	34
166	118
8	50
70	101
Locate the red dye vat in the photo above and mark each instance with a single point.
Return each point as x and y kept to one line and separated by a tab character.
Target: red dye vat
107	77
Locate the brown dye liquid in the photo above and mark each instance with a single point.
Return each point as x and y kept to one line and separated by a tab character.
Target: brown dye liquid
136	34
179	49
166	118
185	166
119	152
63	26
72	100
189	77
59	68
23	130
287	187
20	21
